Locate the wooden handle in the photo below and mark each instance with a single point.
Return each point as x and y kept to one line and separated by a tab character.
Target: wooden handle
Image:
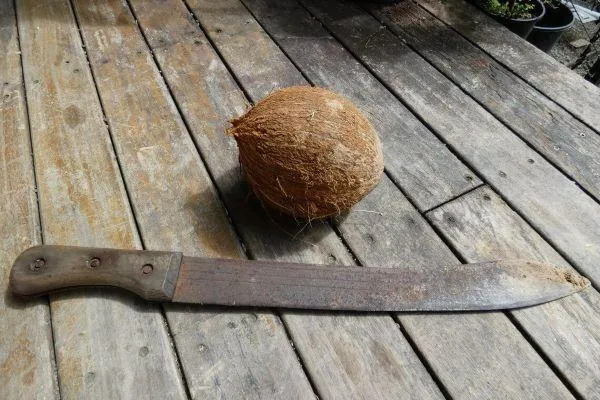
42	269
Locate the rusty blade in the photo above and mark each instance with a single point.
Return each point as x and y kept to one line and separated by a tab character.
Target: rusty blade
482	286
168	276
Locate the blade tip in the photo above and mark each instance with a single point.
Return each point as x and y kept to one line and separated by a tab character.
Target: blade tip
578	282
555	272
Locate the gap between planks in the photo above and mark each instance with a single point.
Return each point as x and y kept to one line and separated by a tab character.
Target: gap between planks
154	61
421	356
556	369
472	175
245	248
27	358
570	338
165	321
386	22
518	51
527	335
415	348
222	59
584	201
413	345
114	206
391	176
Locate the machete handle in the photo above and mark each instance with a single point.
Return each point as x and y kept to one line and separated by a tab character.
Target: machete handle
43	269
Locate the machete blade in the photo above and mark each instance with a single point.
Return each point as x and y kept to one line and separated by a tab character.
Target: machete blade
482	286
168	276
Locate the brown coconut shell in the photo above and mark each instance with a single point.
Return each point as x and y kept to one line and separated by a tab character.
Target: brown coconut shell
308	152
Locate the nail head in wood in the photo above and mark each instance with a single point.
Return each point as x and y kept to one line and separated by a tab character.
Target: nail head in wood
38	264
147	269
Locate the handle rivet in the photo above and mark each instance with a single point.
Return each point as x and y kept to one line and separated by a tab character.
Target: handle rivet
94	263
37	265
147	269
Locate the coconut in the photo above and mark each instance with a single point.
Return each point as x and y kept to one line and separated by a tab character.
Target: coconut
308	152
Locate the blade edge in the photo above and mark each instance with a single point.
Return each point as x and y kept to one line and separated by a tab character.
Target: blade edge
467	287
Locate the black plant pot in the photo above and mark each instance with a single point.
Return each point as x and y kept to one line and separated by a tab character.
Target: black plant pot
550	28
523	27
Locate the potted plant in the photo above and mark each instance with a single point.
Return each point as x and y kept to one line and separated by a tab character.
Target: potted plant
517	15
557	19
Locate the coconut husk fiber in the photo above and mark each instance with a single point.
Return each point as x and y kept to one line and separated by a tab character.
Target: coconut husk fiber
308	152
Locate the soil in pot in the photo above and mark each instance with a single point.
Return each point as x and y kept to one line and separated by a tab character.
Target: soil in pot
546	32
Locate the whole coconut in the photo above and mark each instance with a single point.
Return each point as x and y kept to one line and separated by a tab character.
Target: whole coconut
308	152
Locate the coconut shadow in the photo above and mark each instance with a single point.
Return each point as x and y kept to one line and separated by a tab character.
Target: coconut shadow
267	233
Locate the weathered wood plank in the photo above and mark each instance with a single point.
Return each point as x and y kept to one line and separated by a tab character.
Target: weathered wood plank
429	180
549	201
150	138
474	355
259	65
208	97
565	141
105	347
549	76
27	365
176	204
482	227
401	235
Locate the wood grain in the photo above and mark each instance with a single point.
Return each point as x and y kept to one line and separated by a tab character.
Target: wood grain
263	64
495	285
27	365
564	214
176	205
482	227
405	140
107	346
550	77
565	141
384	229
208	97
473	355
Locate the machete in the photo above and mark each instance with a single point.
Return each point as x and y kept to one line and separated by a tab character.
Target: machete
172	277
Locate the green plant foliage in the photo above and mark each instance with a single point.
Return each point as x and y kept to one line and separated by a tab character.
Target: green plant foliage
518	10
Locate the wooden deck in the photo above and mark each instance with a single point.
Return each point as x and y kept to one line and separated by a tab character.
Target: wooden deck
112	121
